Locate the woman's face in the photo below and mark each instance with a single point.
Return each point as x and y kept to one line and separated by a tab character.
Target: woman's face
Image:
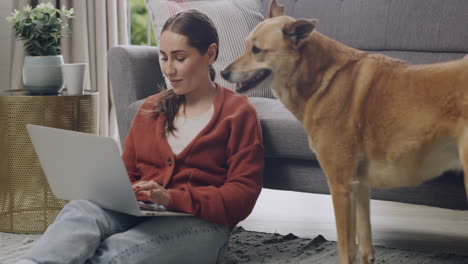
183	64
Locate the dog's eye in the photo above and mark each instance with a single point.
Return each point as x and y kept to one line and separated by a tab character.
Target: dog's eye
255	49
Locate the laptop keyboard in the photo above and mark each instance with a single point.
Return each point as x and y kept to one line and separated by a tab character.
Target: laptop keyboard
149	206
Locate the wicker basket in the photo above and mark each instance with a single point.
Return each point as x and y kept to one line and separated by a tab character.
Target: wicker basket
27	204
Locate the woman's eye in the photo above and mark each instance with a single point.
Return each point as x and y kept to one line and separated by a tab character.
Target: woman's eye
163	59
180	59
256	50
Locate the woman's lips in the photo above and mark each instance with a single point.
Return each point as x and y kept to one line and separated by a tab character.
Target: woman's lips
175	82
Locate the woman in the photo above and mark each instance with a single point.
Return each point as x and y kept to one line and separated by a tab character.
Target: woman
196	148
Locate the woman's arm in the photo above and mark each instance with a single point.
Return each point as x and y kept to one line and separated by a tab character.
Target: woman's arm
129	157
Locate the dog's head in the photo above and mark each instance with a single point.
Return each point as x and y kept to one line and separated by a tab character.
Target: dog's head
271	49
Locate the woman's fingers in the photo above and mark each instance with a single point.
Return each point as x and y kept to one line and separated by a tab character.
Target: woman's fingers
151	191
146	185
154	195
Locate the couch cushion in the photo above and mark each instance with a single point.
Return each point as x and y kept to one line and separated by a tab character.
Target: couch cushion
283	134
420	57
421	25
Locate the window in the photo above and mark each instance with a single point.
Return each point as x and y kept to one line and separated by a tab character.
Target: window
141	31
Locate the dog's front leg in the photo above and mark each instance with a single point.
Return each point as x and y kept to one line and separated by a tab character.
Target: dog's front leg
363	226
344	205
463	153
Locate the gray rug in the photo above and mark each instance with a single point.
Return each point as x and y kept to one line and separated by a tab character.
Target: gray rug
258	247
13	246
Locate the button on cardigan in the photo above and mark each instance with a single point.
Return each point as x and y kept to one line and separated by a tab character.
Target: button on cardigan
218	175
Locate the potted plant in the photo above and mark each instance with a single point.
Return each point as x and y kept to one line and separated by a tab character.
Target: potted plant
41	29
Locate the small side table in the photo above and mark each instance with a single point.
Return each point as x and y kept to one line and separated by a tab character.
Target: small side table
27	205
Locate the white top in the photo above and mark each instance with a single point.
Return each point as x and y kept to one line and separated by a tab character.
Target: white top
187	130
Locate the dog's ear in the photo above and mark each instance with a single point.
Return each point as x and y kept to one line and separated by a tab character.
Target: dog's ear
299	29
275	9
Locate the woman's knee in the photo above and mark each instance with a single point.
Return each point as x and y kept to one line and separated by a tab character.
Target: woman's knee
80	208
84	206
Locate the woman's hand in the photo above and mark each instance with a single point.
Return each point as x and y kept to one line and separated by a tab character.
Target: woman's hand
152	191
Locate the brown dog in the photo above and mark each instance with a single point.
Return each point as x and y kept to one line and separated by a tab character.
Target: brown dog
373	121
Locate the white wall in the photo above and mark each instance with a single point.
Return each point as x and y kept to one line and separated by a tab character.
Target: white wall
6	7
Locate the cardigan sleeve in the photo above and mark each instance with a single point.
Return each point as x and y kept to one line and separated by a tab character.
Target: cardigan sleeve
235	199
129	155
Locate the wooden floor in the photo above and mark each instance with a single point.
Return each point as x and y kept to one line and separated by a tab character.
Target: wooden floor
393	224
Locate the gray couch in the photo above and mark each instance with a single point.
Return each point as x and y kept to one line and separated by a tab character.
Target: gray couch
419	31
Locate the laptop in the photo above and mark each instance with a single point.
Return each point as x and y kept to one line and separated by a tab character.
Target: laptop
82	166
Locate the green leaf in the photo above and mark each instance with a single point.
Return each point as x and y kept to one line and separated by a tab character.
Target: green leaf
40	28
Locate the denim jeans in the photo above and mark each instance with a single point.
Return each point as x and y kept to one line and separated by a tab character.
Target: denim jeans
86	233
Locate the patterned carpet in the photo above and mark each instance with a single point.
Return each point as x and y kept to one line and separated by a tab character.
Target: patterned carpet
12	246
258	247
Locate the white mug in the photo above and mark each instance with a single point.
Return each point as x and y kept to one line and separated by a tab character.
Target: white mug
74	77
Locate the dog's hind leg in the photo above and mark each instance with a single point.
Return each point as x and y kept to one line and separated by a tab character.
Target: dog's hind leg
363	225
345	217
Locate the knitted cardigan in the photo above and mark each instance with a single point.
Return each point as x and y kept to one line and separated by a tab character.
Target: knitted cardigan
218	176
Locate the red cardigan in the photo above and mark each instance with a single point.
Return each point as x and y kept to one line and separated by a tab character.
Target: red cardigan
218	176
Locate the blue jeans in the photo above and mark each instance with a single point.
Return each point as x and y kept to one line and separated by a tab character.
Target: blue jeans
86	233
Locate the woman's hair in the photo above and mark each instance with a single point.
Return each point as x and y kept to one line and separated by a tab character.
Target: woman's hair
201	33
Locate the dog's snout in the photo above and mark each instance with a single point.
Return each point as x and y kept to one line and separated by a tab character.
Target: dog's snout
225	74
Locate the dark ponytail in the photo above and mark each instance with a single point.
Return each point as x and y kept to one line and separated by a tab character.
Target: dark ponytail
170	104
201	33
212	73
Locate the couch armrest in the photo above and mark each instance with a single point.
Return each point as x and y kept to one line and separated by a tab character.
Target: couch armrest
134	74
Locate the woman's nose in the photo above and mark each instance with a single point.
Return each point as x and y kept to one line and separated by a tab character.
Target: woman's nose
169	69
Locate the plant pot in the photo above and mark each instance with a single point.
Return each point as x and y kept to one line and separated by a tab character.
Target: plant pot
43	74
